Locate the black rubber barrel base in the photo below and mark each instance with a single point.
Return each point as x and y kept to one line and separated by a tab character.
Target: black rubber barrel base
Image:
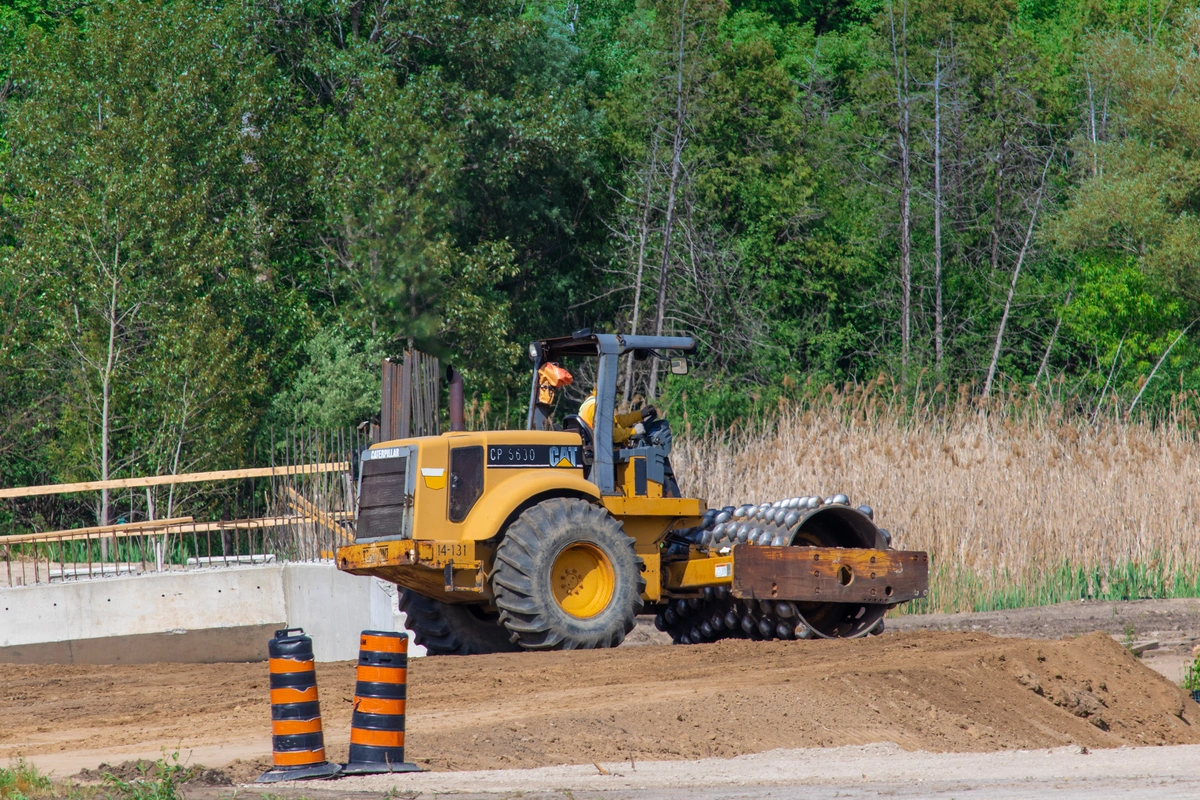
325	769
377	768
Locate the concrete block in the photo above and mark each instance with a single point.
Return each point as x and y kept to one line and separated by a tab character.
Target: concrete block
206	646
148	603
325	601
200	616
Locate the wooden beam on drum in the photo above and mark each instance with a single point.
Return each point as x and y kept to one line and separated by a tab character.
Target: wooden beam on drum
829	574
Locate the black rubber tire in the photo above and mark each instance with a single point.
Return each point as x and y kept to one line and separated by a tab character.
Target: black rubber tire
452	630
521	577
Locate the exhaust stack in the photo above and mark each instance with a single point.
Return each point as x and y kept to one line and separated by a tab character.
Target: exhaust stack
457	417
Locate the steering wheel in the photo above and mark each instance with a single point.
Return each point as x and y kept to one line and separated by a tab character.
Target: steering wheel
658	433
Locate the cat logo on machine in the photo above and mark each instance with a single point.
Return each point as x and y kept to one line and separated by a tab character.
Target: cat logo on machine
564	456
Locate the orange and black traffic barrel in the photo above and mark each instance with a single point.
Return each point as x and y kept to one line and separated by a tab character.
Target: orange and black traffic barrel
377	724
297	742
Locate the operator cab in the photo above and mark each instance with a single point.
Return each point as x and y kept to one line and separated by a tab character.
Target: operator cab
637	467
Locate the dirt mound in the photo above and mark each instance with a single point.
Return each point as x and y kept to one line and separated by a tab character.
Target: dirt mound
143	769
930	691
925	690
125	771
247	770
1176	620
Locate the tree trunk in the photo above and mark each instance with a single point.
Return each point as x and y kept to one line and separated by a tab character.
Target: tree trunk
106	414
1154	371
995	259
183	420
1050	345
660	309
937	213
1092	121
900	62
643	235
1012	286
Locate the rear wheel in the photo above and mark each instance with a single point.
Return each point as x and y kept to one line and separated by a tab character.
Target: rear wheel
453	630
567	577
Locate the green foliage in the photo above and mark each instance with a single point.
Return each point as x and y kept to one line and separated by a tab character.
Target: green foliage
217	217
22	781
724	405
338	388
17	18
160	782
1116	308
1153	580
1140	194
1191	676
132	231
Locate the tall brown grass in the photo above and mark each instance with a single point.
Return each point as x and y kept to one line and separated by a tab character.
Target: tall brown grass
1024	507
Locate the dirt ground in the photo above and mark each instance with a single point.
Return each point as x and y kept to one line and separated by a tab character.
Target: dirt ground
1167	629
936	691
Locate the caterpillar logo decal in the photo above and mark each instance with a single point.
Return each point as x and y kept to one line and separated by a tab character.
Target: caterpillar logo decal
564	456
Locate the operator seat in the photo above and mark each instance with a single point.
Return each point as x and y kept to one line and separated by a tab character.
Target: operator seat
577	424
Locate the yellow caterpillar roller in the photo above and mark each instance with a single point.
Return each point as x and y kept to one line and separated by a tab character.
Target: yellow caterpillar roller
557	537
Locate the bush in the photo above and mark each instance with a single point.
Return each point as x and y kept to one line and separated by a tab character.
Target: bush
160	781
21	781
1191	677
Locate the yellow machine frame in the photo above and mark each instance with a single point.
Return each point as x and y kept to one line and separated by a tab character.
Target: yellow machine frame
450	500
451	561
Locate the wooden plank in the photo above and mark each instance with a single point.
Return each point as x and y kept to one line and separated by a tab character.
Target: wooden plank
163	480
236	524
246	524
405	429
97	531
436	388
829	574
302	504
98	536
387	401
163	527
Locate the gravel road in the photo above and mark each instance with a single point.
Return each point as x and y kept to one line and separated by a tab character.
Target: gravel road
866	771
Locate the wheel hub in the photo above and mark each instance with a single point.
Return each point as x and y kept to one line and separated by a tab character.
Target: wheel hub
583	580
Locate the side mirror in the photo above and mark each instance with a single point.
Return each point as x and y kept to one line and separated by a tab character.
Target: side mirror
679	366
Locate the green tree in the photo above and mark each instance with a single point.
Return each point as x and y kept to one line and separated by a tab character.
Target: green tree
127	200
448	145
338	388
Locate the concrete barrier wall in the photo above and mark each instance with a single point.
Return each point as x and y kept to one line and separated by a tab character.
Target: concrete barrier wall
202	616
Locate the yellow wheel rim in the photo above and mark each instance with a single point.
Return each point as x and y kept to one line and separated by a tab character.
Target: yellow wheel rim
583	580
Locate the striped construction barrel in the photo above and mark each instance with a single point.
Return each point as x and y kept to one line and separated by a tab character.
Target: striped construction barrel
380	692
297	742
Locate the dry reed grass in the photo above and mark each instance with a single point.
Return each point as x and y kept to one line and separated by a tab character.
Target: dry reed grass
1015	509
